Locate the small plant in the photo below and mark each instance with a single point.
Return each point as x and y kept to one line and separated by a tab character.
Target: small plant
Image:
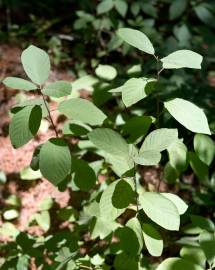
120	151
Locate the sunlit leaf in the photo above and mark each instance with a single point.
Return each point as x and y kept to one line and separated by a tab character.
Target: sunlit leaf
188	115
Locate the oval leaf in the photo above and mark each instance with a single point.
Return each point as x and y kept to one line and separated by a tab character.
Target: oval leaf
152	239
55	160
161	210
24	125
178	264
109	141
188	115
82	110
36	64
18	83
58	89
122	195
182	59
178	202
159	140
106	72
204	148
136	39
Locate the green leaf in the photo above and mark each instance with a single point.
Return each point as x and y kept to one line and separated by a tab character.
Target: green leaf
122	164
46	204
178	264
97	260
121	7
199	168
8	229
207	243
188	115
104	6
55	160
57	89
178	155
193	254
106	72
148	158
161	210
124	261
76	128
23	262
133	91
109	141
135	226
159	140
127	235
136	39
10	214
204	148
24	125
29	174
203	223
178	202
117	151
152	239
18	83
123	194
84	175
182	59
85	82
36	64
205	15
32	102
43	220
136	127
82	110
107	209
170	174
102	227
177	8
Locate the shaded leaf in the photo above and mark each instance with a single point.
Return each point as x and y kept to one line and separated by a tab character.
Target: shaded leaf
104	6
204	148
84	175
24	125
55	160
121	7
177	8
152	239
178	264
199	168
122	195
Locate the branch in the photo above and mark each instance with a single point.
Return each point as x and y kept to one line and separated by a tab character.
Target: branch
49	113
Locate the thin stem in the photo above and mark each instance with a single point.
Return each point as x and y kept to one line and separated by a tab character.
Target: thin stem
157	96
158	109
85	267
135	187
49	113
